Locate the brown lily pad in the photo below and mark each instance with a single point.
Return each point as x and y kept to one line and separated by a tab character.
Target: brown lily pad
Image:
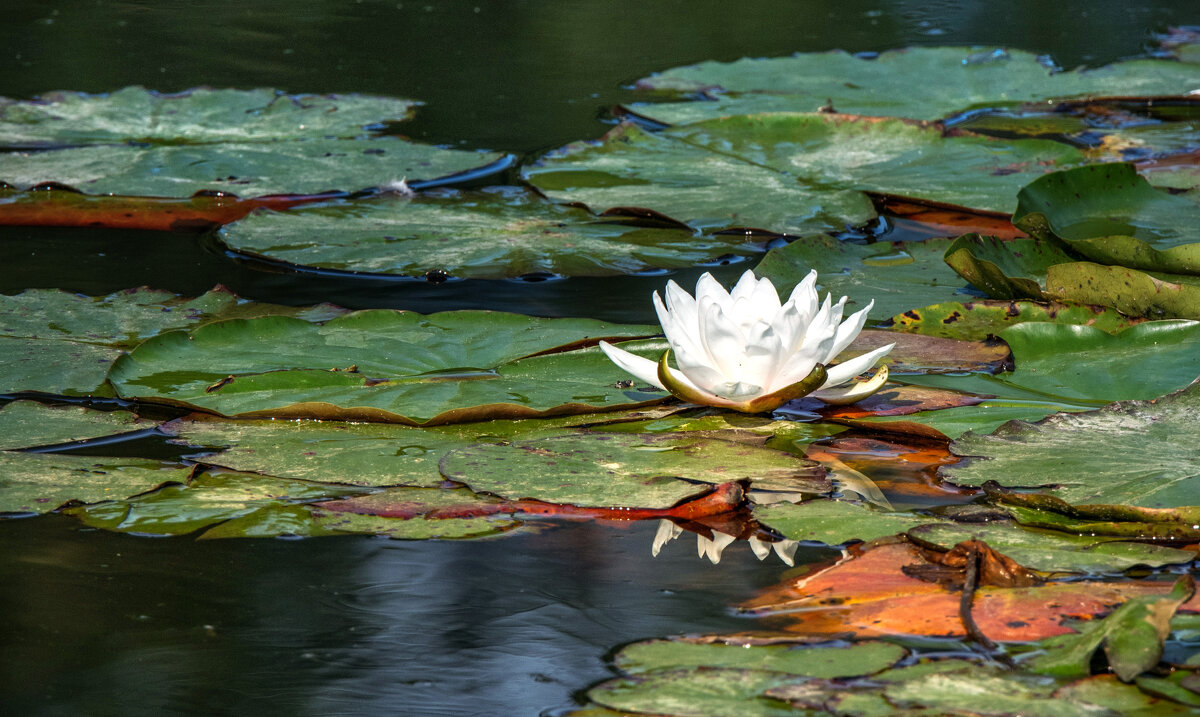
870	594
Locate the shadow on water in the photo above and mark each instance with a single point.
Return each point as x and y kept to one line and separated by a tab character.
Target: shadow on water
112	624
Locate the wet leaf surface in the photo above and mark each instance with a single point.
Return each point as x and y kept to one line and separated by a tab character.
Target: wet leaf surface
835	522
27	424
1125	453
1053	552
1111	215
896	275
60	343
825	662
806	172
975	320
496	233
626	470
40	483
1132	292
954	79
246	143
1012	269
385	366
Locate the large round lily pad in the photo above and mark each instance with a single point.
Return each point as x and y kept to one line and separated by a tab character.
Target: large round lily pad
791	173
496	233
60	343
254	143
198	116
385	366
40	483
1132	452
1112	215
626	470
917	82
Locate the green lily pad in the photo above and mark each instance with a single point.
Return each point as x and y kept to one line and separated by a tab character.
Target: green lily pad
496	233
1048	551
197	116
360	516
1107	691
708	190
384	366
254	143
362	454
1005	269
60	343
835	522
27	424
826	662
1132	292
43	482
791	173
1132	637
203	501
712	692
917	82
1128	452
951	423
896	275
976	320
1081	366
1046	511
626	470
1112	215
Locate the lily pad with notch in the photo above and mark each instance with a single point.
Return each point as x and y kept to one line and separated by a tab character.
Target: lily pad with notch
494	233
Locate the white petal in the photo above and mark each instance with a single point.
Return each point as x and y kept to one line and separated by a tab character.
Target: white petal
667	531
681	305
643	368
721	338
847	370
761	549
849	329
713	548
744	288
786	550
681	336
707	286
854	391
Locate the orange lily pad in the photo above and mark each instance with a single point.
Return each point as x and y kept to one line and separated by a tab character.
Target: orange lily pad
870	595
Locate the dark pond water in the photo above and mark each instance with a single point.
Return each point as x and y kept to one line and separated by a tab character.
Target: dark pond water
107	624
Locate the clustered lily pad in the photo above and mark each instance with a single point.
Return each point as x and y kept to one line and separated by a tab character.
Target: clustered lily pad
315	421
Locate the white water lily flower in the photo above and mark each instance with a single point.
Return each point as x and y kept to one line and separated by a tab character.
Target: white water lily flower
745	350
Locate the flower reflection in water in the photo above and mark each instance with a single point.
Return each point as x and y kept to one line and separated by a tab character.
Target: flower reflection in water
712	547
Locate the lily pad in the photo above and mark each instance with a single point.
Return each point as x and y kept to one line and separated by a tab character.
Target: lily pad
872	594
1048	551
1132	292
1009	269
626	470
708	190
1129	452
26	424
362	454
252	143
1081	366
835	522
824	662
1178	525
896	275
384	365
60	343
951	79
197	116
203	501
1132	637
40	483
714	692
976	320
492	234
1112	215
791	173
